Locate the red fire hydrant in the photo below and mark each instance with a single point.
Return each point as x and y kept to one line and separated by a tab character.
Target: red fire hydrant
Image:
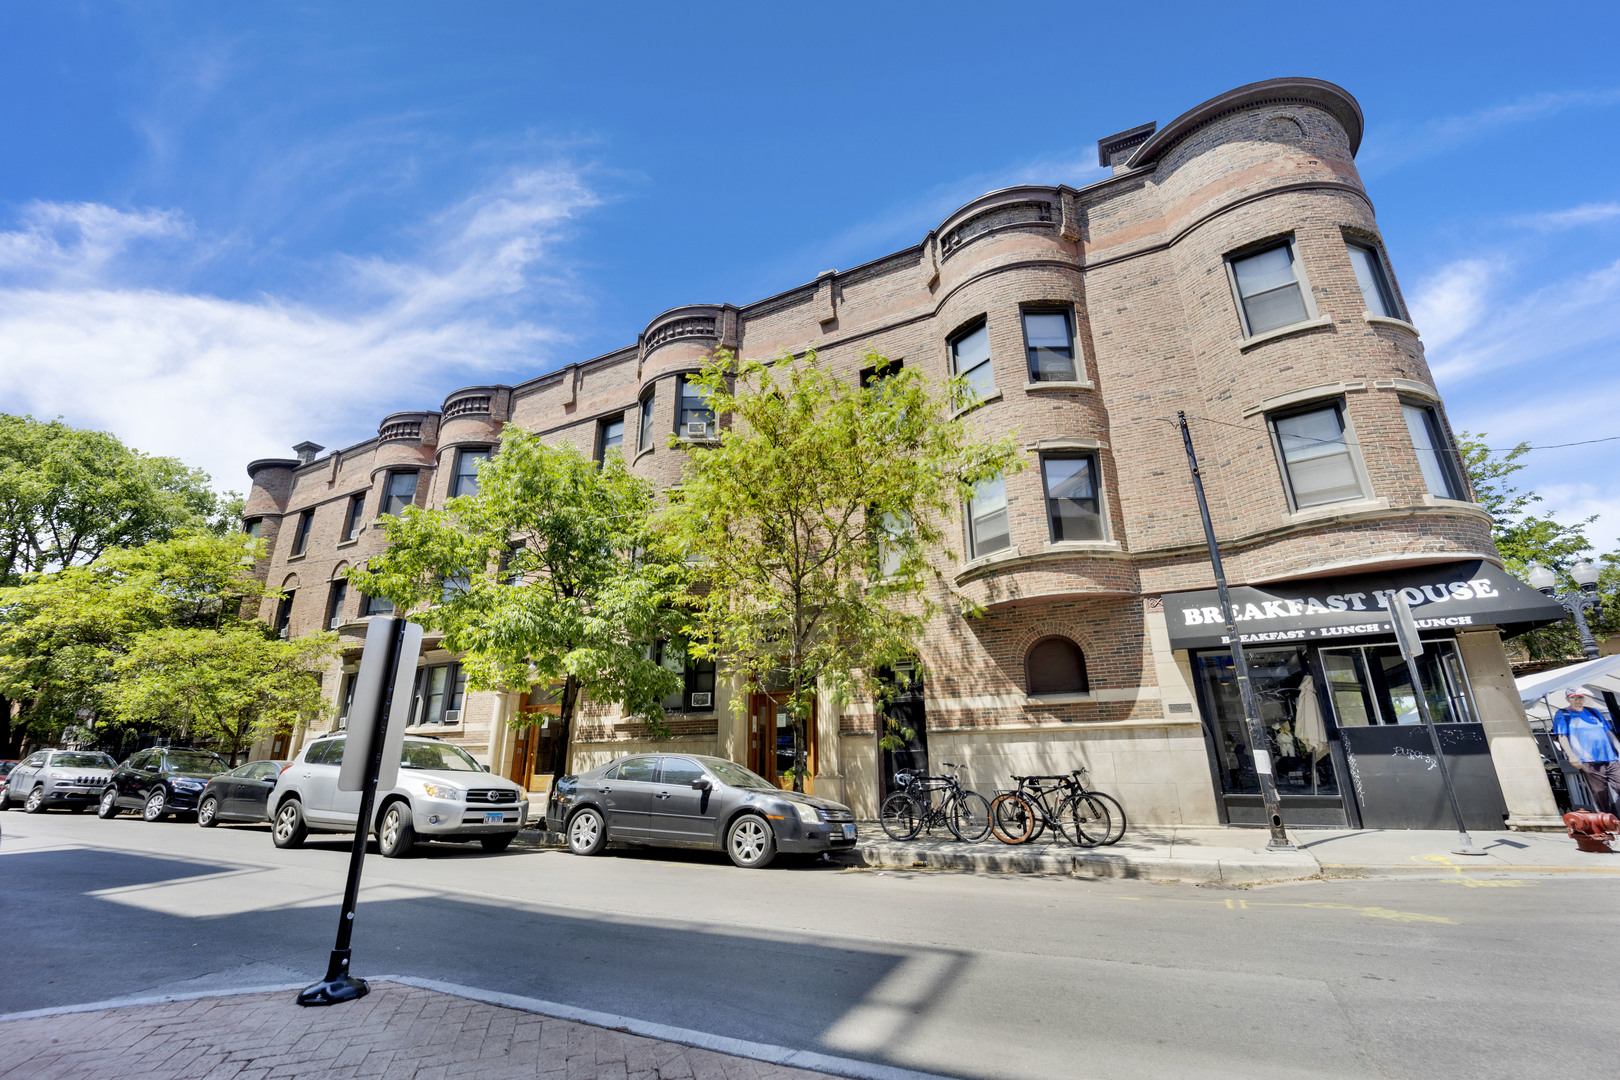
1592	831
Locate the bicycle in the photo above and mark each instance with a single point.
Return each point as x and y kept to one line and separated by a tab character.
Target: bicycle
1116	812
912	809
1022	815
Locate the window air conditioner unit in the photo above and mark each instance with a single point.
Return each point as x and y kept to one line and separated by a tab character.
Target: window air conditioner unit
282	633
452	716
336	621
697	429
702	701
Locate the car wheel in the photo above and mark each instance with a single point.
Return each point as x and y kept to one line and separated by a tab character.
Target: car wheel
587	833
108	806
289	830
208	812
396	835
750	842
498	843
156	808
35	803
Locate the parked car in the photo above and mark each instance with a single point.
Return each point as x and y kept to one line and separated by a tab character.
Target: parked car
51	778
442	794
689	801
243	794
160	782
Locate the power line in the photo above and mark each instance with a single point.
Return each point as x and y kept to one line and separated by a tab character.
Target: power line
1385	442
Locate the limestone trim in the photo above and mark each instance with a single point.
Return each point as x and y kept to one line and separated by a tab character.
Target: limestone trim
1307	325
1460	506
1299	397
1266	536
981	403
1318	93
1020	700
1066	384
1385	320
1068	443
995	558
1352	508
1409	386
1003	561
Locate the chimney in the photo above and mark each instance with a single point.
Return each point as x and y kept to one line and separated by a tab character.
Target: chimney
306	451
1115	150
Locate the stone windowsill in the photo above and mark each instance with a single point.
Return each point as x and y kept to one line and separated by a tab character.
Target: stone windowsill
1081	547
298	557
1385	320
707	440
348	543
964	410
1006	554
1037	700
1056	384
643	452
1335	510
1285	331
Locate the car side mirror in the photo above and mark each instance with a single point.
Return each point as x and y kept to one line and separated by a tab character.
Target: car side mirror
271	780
486	768
151	768
703	783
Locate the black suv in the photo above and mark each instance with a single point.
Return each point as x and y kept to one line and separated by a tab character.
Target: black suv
160	781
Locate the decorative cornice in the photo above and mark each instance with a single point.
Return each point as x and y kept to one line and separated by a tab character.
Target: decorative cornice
1320	93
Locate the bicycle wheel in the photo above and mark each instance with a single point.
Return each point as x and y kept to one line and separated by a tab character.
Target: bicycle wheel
1011	818
969	817
900	816
1116	816
1083	821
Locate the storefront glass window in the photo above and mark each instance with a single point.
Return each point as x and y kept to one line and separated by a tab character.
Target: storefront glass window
1371	686
1290	712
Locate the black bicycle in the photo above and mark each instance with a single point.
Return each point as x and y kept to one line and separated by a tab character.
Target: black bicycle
1116	812
1022	815
914	809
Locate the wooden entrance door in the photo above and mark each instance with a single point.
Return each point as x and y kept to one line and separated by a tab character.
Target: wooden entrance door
535	741
770	741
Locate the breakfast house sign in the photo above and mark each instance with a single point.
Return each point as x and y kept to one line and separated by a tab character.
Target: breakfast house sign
1461	595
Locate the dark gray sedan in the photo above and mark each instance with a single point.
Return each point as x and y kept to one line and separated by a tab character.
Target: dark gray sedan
239	795
690	801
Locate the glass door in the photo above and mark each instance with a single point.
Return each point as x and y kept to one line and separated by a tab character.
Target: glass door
770	741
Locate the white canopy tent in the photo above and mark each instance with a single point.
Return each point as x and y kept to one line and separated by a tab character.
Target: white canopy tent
1543	693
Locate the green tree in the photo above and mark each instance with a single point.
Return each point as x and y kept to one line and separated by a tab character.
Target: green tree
551	574
810	526
225	687
1524	536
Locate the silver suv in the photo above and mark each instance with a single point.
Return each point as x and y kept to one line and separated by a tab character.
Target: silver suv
48	778
442	794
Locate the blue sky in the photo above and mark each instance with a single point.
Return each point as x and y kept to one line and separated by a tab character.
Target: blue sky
228	228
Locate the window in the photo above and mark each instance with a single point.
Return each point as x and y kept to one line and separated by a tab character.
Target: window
301	534
892	529
1375	288
970	358
400	493
697	687
987	517
378	605
1072	506
347	698
609	436
1049	345
325	752
437	699
253	527
872	376
1317	465
644	440
354	519
465	480
641	770
693	419
678	770
1055	665
1435	455
334	604
284	613
1268	289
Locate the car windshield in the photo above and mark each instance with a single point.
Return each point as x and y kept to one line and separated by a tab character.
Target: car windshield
191	761
440	756
84	761
736	776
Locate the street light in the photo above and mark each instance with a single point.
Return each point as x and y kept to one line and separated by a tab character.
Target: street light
1577	601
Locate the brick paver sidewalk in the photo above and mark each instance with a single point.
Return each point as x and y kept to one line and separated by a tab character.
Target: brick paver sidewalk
395	1031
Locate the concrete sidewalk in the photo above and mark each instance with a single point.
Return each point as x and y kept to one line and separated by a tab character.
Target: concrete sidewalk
1229	856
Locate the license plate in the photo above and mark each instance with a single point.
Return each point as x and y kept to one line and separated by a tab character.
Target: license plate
494	819
849	832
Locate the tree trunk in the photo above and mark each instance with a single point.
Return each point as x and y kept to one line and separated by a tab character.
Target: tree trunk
800	743
565	721
8	747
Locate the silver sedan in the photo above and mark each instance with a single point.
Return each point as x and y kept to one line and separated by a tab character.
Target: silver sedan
692	801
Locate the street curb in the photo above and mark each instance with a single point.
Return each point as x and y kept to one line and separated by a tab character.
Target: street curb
1095	864
1361	870
149	999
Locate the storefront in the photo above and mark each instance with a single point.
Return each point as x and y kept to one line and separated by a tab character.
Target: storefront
1343	729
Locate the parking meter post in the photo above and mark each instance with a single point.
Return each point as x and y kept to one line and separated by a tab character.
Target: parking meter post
1240	662
1406	636
339	984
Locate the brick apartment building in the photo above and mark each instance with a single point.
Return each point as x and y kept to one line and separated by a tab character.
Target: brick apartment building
1230	267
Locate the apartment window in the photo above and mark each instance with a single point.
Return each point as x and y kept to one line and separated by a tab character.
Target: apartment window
1316	460
301	534
987	517
346	699
1049	346
872	376
354	520
284	613
400	493
644	439
697	679
1375	290
970	359
253	527
892	530
1072	507
1435	456
609	436
334	604
439	690
694	419
465	480
1268	289
1055	665
378	605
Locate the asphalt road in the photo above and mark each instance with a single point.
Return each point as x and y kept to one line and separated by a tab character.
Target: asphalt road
963	975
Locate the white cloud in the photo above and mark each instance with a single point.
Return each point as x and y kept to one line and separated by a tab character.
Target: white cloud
1585	214
89	331
1393	147
1452	301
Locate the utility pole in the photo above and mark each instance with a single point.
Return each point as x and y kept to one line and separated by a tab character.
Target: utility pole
1240	662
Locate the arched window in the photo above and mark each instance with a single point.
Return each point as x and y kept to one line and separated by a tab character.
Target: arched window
1055	665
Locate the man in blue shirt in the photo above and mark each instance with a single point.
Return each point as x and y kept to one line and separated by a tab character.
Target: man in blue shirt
1589	743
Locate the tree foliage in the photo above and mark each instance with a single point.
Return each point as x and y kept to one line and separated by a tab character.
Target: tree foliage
810	525
552	573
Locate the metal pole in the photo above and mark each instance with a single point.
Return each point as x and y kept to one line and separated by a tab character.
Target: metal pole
1576	604
339	985
1261	746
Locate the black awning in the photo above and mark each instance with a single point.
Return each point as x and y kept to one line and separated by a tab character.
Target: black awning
1451	595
